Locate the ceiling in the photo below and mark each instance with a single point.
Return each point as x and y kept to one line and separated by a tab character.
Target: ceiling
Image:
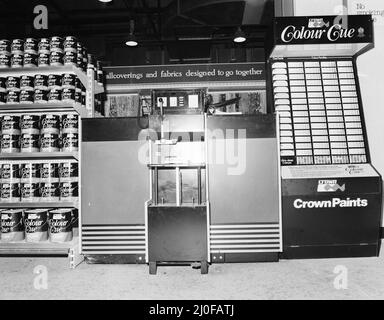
168	30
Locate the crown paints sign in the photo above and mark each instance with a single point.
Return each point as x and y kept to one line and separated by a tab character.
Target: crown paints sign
323	30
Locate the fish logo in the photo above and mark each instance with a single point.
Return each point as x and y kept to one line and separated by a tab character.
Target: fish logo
329	186
317	23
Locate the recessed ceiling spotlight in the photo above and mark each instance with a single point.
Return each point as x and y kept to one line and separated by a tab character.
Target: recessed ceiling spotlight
105	1
239	36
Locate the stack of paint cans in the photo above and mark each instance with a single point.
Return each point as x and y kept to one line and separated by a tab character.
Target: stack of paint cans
45	133
69	181
34	182
70	133
29	182
53	88
5	53
49	133
30	52
49	182
41	92
9	179
54	51
30	133
10	134
17	53
44	50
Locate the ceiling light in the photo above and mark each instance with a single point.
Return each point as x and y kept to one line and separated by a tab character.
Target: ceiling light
105	1
239	36
131	41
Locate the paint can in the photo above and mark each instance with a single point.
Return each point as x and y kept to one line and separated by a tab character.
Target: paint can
41	82
49	171
70	58
26	96
60	227
5	46
56	58
29	172
30	124
70	123
57	44
36	225
27	82
40	96
5	60
68	171
30	46
54	81
69	80
29	191
68	95
49	142
10	143
17	46
13	97
9	172
12	83
70	142
10	192
70	44
44	45
43	59
10	124
50	190
29	142
50	123
17	60
12	226
68	190
30	60
54	95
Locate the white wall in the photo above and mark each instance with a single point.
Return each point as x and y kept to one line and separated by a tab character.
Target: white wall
371	75
316	7
370	66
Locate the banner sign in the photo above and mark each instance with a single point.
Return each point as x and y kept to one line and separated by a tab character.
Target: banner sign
323	30
185	73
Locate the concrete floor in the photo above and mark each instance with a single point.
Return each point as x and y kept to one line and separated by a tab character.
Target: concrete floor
293	279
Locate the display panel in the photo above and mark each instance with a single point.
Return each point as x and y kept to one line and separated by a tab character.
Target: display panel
320	112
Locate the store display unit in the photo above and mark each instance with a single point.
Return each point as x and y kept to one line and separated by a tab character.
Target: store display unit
70	250
224	215
331	193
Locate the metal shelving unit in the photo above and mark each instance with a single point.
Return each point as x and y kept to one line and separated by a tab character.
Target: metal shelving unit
45	204
72	249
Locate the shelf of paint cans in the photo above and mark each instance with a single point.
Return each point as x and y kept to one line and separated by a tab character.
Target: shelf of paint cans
46	204
23	248
39	155
52	70
38	228
21	108
58	70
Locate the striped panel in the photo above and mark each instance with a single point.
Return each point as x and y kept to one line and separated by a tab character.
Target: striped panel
113	239
245	238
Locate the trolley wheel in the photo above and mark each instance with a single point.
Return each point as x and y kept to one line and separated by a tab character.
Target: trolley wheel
204	267
152	267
